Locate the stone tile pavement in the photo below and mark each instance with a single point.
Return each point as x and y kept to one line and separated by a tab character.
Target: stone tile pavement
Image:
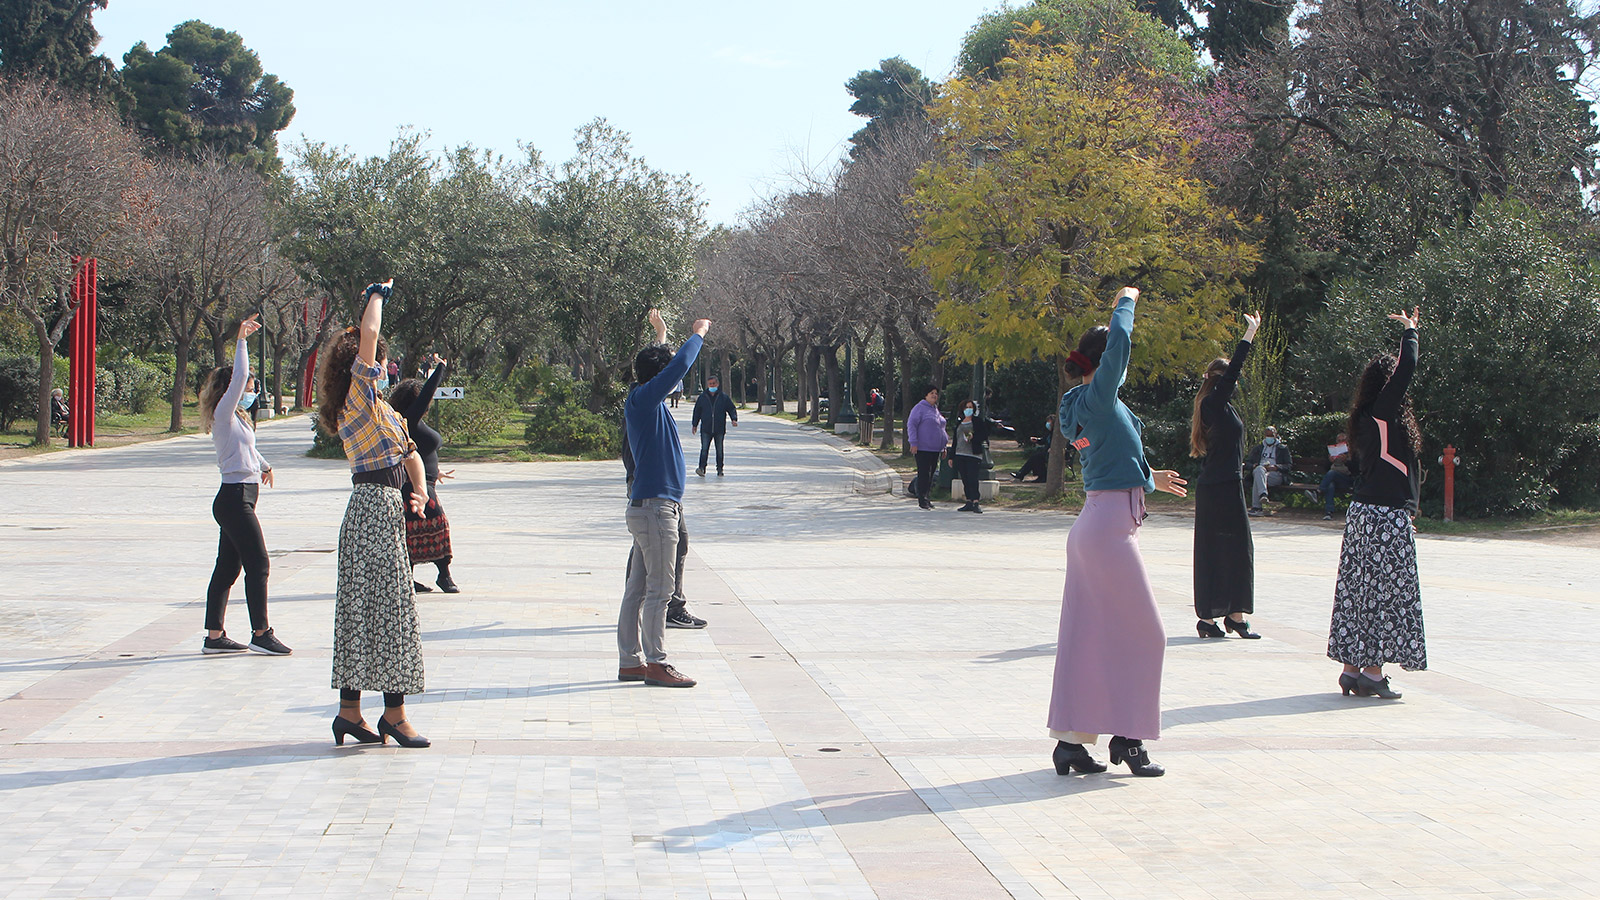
869	721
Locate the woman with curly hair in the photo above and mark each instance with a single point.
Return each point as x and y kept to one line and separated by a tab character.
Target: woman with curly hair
377	645
1377	601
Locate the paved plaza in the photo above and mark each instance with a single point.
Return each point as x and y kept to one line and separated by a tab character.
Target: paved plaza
869	720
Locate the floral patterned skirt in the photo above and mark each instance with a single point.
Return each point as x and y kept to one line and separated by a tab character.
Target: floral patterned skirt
1377	603
377	644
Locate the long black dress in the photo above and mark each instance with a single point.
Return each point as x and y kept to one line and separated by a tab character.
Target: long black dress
1224	553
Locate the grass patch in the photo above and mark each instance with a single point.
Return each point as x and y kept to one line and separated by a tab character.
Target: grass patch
508	445
110	430
1550	518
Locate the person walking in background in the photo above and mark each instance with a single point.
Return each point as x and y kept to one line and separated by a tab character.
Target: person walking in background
1269	464
1339	478
712	411
1109	652
677	394
428	534
1377	601
925	433
377	644
1224	554
967	452
241	544
654	509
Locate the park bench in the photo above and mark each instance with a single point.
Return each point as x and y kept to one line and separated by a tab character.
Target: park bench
1304	478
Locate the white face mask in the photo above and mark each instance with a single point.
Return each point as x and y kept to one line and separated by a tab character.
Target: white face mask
247	400
968	412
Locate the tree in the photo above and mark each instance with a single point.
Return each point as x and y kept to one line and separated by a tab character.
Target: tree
616	238
205	90
885	95
1238	29
1110	33
53	40
67	172
1055	186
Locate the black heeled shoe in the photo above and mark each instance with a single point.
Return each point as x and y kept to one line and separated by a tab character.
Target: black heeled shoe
343	728
420	588
1348	684
1137	758
393	731
1068	757
1240	628
1208	629
1367	686
448	585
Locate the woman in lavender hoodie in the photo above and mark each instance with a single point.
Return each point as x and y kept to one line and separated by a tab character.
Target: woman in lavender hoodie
926	435
223	400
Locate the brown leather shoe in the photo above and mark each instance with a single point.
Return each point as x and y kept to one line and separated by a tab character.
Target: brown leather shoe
663	675
633	673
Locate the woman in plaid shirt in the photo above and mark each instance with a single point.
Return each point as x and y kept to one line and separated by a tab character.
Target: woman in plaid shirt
377	644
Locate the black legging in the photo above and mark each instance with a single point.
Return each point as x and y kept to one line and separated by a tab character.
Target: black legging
1038	464
390	701
968	467
927	464
241	545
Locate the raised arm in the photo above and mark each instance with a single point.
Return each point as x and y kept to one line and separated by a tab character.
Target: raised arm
241	368
1229	381
372	321
419	406
656	389
1113	368
1393	395
659	325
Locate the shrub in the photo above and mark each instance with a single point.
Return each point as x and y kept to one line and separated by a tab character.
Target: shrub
561	425
324	444
1508	373
19	388
477	416
134	385
1312	435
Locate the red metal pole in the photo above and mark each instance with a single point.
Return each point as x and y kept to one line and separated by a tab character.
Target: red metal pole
1449	460
82	342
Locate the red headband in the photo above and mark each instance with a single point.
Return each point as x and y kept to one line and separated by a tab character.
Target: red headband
1081	361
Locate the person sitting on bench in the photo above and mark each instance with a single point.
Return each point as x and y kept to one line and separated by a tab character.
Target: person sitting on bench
1341	463
1269	463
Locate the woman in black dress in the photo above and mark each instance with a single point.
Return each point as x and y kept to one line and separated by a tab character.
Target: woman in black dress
1224	554
1377	601
427	535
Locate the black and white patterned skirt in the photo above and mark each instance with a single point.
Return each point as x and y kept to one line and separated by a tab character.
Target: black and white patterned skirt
1377	603
377	644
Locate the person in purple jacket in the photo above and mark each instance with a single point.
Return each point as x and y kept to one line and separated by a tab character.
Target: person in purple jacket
926	435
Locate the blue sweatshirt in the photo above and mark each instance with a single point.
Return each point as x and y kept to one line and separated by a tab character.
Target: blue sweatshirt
1099	425
653	433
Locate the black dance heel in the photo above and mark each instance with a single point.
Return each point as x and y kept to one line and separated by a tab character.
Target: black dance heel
1073	756
1240	628
1208	629
393	731
1134	754
1367	686
1348	684
343	728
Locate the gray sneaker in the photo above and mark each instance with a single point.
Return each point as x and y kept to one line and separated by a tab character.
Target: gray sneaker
682	619
221	644
267	643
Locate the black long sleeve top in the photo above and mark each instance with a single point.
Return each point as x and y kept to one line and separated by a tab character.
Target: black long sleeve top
1389	473
1224	457
428	440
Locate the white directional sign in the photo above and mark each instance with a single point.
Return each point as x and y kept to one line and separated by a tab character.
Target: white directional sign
449	393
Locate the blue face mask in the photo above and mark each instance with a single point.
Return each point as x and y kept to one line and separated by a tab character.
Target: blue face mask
712	389
1269	441
383	383
247	400
968	412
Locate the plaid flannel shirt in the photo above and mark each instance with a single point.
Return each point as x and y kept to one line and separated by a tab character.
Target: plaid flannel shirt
374	435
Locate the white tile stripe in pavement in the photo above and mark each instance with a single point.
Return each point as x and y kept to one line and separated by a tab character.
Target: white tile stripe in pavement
868	723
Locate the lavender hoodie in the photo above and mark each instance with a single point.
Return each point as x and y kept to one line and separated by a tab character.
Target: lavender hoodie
925	428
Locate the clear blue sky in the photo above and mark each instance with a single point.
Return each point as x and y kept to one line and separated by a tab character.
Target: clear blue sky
732	94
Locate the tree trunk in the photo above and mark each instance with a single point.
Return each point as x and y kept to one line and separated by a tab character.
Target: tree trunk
889	393
277	378
725	370
830	367
47	378
906	399
599	386
221	353
777	382
180	382
814	384
1056	472
799	381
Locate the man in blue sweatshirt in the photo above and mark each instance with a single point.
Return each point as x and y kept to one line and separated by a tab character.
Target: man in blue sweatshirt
654	510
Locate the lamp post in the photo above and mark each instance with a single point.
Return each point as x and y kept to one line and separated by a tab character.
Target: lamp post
772	400
261	312
847	410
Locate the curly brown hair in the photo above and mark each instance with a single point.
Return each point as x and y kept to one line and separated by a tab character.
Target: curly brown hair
333	382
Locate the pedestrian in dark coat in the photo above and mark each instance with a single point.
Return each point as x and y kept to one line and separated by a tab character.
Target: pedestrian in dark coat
712	409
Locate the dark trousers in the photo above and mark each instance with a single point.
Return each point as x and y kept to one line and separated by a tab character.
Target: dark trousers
241	546
706	439
678	601
1038	464
968	467
1334	484
927	465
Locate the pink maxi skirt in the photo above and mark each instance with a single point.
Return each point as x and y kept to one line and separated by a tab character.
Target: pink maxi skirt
1109	655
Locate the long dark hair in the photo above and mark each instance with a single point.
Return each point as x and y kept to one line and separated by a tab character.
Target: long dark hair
404	393
1093	346
333	383
212	388
1199	433
1373	379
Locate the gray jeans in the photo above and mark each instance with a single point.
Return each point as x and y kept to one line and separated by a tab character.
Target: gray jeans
654	526
1263	478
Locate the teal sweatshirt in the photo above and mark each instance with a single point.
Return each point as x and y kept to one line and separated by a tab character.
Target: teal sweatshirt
1099	425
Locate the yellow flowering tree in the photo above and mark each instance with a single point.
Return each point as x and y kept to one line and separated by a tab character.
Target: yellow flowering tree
1058	183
